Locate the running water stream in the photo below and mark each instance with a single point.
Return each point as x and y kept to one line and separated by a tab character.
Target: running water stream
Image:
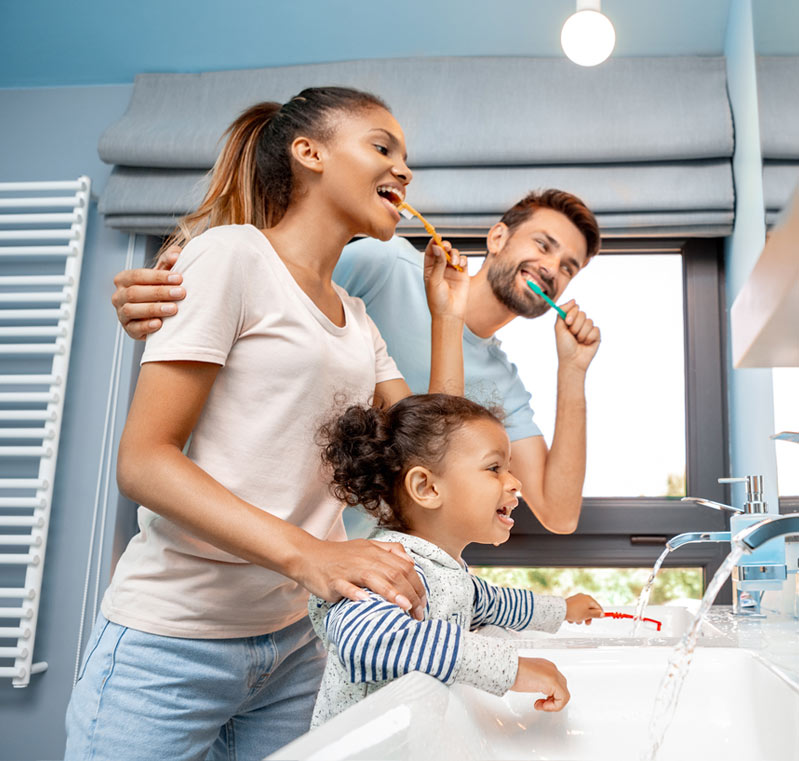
680	660
643	598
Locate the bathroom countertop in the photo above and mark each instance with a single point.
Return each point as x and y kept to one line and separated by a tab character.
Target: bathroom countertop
417	717
775	639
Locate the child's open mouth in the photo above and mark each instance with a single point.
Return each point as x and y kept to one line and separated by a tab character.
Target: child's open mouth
503	515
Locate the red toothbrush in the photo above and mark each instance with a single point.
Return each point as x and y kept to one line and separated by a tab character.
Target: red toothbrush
614	614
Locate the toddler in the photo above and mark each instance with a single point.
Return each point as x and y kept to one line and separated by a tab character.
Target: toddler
434	470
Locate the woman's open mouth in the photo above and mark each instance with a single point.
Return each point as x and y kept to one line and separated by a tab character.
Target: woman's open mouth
503	515
392	196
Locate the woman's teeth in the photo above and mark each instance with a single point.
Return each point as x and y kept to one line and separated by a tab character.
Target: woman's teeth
391	194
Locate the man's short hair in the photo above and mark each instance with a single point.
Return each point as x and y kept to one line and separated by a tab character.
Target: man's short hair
558	200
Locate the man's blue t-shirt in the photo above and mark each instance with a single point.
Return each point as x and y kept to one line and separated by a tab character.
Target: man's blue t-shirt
388	276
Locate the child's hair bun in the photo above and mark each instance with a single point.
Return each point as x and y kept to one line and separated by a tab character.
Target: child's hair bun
357	449
368	449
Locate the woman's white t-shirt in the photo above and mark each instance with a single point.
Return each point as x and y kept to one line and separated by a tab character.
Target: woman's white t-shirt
285	369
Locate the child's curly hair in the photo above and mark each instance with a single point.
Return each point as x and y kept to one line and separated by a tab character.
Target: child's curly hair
368	450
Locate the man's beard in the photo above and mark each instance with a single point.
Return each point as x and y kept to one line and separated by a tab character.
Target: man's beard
501	277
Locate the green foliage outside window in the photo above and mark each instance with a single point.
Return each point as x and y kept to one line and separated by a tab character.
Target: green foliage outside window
610	586
675	485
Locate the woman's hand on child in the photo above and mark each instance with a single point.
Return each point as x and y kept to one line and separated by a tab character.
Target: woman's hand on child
343	569
582	608
447	289
144	296
541	675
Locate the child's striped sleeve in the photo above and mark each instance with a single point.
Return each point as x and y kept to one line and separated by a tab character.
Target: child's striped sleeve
377	641
515	608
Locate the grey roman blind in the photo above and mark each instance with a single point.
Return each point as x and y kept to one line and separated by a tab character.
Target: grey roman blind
778	104
646	142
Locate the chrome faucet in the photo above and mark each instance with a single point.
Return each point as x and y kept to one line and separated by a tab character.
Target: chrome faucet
754	536
755	573
711	503
697	536
754	496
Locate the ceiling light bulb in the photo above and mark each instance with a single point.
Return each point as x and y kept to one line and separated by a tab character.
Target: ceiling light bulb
588	37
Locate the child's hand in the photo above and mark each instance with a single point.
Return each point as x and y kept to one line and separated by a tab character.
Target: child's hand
582	608
540	675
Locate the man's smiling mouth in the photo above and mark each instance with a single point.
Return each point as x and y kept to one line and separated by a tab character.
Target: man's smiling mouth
529	274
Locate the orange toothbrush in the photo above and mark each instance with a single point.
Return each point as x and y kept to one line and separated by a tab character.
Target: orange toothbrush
407	211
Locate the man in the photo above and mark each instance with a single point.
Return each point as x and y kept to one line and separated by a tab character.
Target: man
547	237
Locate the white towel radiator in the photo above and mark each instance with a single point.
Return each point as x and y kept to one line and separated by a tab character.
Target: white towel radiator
42	235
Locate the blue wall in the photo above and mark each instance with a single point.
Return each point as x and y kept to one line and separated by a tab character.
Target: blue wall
52	134
751	400
776	27
49	132
51	42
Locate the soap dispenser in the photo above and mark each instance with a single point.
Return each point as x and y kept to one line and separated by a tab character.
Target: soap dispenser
762	570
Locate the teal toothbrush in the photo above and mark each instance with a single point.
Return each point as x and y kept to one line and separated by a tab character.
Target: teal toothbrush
537	289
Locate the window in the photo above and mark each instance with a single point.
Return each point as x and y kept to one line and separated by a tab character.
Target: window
657	387
635	387
609	586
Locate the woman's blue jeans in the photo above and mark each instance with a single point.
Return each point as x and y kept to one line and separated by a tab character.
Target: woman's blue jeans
142	696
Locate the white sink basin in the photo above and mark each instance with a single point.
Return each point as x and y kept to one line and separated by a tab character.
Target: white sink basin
733	706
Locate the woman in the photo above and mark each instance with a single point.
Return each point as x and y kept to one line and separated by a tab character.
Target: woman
204	648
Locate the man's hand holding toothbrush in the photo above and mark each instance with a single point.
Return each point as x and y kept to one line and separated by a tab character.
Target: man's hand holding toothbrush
576	337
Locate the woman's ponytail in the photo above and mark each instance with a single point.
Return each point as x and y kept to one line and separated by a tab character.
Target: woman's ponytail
235	193
252	181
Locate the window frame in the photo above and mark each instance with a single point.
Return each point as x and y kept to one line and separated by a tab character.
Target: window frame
629	531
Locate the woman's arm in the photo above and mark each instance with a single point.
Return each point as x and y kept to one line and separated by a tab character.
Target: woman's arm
153	471
447	296
447	293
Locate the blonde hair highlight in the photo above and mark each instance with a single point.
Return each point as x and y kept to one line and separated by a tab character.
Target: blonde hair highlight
252	181
235	194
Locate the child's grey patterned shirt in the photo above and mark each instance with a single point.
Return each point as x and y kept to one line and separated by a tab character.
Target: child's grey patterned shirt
370	642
